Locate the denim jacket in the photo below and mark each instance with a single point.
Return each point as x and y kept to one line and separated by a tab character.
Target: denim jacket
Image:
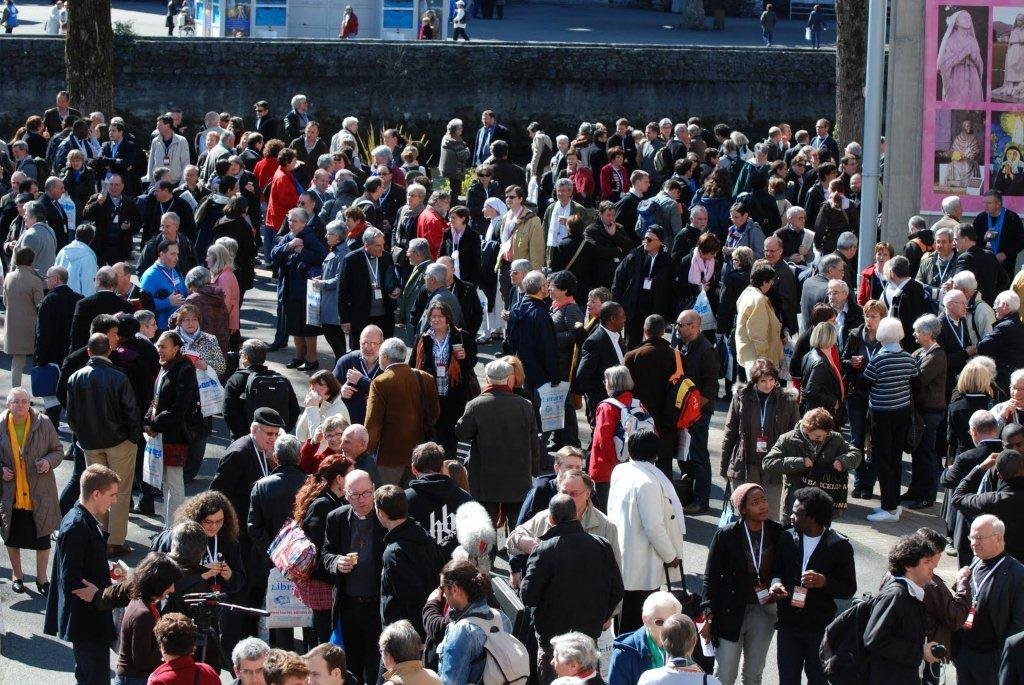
463	646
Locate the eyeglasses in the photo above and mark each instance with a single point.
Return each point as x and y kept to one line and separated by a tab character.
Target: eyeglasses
511	197
979	538
359	495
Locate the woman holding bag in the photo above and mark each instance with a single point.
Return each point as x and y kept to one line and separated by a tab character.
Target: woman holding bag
700	271
174	417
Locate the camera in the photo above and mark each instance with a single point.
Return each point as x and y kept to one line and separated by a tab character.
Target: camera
939	651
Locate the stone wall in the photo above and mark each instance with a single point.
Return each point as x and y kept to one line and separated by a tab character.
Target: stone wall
421	86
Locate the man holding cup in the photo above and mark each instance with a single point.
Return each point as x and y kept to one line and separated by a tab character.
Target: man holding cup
352	553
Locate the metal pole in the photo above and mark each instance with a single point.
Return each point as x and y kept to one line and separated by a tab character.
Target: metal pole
873	96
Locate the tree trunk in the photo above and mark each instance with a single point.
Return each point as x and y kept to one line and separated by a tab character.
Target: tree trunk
88	53
693	14
851	52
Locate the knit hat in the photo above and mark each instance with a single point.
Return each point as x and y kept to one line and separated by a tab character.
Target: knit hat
740	494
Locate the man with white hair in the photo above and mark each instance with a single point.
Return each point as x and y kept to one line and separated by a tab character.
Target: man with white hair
558	159
797	240
418	254
247	659
402	404
631	652
366	293
955	338
848	313
952	214
531	335
1005	343
40	237
435	281
995	582
345	137
295	121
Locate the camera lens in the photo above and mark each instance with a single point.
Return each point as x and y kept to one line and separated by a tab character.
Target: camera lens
939	651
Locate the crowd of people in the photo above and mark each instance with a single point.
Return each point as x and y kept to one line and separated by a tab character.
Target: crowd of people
622	274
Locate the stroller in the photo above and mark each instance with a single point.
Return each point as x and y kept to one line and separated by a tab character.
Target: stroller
186	22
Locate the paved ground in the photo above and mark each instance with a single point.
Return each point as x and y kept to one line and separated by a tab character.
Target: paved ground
522	23
26	656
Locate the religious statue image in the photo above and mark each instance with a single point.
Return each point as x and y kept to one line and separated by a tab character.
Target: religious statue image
960	152
1007	139
959	61
1012	88
965	158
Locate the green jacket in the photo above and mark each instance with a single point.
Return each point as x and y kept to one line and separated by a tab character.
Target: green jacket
787	456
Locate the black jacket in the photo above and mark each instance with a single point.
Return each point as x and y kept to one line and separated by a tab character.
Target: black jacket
687	292
433	500
235	415
538	497
1005	344
469	253
599	264
113	242
1011	667
356	292
1006	502
1011	239
531	334
959	524
627	211
734	282
476	196
186	253
122	162
269	127
728	580
270	505
700	361
53	325
177	416
986	269
908	306
409	571
80	554
88	308
314	525
955	342
597	353
338	543
570	565
101	406
1000	606
894	637
237	472
151	211
820	385
627	286
833	558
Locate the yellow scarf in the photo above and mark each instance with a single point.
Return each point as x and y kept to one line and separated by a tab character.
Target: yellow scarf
22	498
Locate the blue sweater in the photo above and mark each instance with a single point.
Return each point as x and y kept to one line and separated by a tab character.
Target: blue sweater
160	283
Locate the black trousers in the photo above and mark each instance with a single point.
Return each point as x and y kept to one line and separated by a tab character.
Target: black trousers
335	337
455	36
888	437
976	668
92	663
631	617
360	629
797	652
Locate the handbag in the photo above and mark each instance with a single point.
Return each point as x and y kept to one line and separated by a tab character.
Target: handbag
692	606
292	552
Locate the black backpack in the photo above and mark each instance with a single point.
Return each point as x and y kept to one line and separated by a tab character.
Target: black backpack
42	169
267	389
663	161
842	654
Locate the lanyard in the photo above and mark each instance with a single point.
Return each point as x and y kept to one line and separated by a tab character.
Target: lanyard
374	271
212	556
169	275
261	459
442	346
943	271
763	409
167	146
163	210
760	550
976	588
366	373
956	331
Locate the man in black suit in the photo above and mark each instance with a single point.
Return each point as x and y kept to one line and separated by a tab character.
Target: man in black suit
1000	230
154	206
56	217
984	431
1005	342
849	315
983	264
506	173
627	208
118	155
828	148
1011	667
104	301
351	555
817	568
643	284
830	268
1005	501
996	582
78	140
464	241
701	363
81	555
366	294
466	293
392	198
603	349
489	132
785	293
295	121
265	123
904	297
53	327
54	118
117	220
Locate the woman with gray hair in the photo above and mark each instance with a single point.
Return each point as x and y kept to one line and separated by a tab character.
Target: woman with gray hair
221	262
212	305
327	284
678	638
575	655
604	455
888	376
455	155
930	403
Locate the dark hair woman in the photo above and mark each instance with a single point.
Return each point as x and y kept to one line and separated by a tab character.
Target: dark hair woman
465	589
716	197
152	581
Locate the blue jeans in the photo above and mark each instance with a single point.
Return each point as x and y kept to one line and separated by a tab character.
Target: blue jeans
701	460
857	414
924	478
798	651
815	39
127	680
767	35
269	236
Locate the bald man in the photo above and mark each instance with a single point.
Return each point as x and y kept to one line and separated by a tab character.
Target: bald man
354	442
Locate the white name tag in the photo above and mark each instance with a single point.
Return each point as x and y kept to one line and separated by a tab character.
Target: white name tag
799	598
647	283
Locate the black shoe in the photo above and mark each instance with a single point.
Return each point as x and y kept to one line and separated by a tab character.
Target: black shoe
274	347
44	588
295	363
309	366
920	504
145	507
909	497
18	586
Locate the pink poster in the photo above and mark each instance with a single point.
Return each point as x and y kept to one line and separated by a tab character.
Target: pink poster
973	129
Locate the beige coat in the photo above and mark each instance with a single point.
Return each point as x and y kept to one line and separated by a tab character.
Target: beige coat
411	673
41	442
593	522
758	331
528	241
394	414
23	291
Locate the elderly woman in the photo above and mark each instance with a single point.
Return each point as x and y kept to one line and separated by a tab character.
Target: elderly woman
23	292
618	383
298	257
221	265
888	378
980	315
212	307
152	582
455	155
760	411
401	648
700	270
872	281
79	180
821	377
29	509
174	416
861	346
930	403
734	282
566	316
575	654
813	454
328	439
758	330
327	284
322	401
200	347
447	353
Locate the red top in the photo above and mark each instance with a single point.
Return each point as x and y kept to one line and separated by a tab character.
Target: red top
310	456
264	172
431	226
181	671
864	284
603	457
614	182
350	27
283	197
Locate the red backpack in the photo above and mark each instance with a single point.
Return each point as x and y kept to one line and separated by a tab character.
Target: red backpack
685	397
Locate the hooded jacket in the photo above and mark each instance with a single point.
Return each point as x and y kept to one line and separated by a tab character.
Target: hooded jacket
80	261
433	500
630	658
409	573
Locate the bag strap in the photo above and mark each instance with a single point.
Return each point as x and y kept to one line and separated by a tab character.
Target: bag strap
679	372
195	676
577	254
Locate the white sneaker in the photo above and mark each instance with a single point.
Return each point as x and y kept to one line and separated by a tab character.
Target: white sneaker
883	516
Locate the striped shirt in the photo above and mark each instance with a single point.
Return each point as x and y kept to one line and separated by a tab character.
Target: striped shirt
889	373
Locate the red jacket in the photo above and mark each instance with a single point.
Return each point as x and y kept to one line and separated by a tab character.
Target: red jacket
613	185
351	27
264	172
310	456
603	456
284	195
431	226
865	283
181	671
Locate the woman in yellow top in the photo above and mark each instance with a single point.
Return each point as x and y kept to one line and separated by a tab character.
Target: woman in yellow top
29	507
758	331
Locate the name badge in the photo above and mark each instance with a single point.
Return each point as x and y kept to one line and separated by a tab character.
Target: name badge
969	623
441	372
647	283
116	219
799	598
377	293
762	444
762	594
167	160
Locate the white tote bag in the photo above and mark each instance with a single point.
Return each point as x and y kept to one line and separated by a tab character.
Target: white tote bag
286	610
703	307
153	461
312	304
211	393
